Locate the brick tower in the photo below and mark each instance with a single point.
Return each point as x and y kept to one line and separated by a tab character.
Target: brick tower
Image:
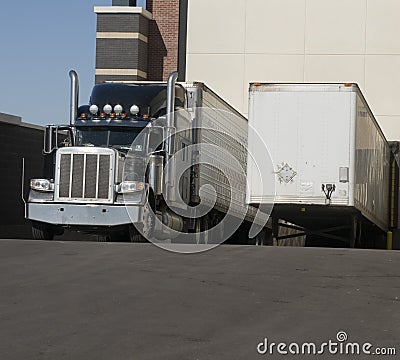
135	41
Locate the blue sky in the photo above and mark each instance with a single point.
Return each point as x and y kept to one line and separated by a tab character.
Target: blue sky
40	42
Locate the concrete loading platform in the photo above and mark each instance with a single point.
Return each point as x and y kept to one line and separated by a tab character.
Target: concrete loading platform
79	300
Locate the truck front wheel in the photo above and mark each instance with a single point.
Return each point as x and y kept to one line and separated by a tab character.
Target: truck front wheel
147	225
42	231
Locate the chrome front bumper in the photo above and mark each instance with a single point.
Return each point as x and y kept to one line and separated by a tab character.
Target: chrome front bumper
78	214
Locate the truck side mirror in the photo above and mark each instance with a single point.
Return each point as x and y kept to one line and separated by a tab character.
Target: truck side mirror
52	140
156	173
156	139
48	140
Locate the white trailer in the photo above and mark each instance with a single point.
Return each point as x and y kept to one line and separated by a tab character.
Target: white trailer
331	160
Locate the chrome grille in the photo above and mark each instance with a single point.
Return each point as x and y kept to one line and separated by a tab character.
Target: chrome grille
85	176
90	176
77	175
65	170
104	165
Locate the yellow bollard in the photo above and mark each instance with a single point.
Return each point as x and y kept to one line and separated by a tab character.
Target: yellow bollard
389	241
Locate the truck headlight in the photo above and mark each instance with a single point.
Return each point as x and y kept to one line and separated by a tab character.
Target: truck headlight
42	185
130	186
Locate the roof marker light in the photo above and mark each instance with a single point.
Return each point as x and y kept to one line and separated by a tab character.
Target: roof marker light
107	109
118	109
134	109
94	109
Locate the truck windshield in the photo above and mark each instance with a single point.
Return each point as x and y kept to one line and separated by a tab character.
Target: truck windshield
120	139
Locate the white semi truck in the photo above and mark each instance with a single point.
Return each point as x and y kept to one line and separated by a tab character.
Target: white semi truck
335	174
132	166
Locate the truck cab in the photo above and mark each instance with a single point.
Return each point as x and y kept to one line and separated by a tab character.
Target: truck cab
145	161
102	180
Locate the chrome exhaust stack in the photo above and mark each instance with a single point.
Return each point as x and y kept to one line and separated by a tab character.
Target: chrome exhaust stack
169	140
74	97
173	77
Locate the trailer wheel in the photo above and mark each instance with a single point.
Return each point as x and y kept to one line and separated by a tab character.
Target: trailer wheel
42	231
202	234
261	239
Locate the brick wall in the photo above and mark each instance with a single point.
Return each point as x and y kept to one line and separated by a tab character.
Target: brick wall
122	23
163	38
121	54
121	44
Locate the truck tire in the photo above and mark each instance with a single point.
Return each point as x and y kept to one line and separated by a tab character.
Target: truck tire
42	231
263	238
147	225
259	239
148	219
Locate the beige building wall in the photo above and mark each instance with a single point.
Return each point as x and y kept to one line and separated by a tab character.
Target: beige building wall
234	42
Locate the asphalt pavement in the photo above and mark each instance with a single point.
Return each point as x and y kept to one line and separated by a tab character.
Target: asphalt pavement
86	300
